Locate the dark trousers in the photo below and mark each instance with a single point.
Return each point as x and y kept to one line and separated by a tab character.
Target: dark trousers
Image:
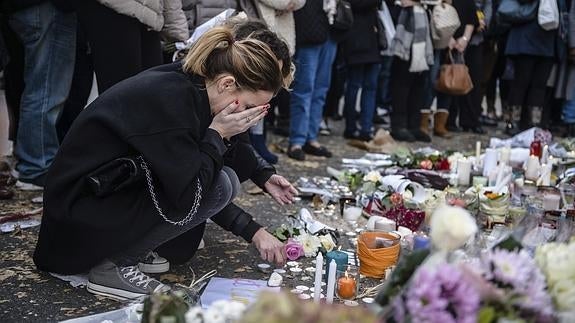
470	104
336	87
81	85
530	80
407	95
13	75
121	45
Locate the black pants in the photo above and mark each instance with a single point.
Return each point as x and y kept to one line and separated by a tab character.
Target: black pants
470	104
81	85
407	95
530	79
13	75
121	45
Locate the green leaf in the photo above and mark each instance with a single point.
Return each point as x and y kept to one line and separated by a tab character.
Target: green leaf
509	244
486	315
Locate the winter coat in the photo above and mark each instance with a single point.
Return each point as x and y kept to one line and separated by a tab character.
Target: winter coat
311	24
159	15
278	20
162	114
361	43
531	39
199	11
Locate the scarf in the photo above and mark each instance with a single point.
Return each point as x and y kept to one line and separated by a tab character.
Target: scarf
412	39
330	8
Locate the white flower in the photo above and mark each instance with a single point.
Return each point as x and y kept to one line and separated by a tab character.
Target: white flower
451	227
310	244
194	315
373	176
327	242
407	195
453	160
557	262
214	315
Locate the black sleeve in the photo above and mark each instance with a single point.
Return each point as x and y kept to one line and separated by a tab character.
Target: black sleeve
177	160
246	162
237	221
467	12
364	5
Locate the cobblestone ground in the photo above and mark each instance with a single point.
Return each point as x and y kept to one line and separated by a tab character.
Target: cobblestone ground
28	295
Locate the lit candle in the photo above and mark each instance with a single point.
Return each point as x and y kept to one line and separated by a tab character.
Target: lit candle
331	281
532	170
346	287
463	171
318	273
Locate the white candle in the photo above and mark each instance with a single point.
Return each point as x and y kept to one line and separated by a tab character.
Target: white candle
489	161
318	274
463	171
551	201
532	169
545	178
504	155
331	281
545	154
351	213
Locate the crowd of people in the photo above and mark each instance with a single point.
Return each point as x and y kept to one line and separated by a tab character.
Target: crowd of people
294	58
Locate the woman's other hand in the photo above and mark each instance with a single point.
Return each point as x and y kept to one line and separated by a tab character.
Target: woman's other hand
229	123
270	248
280	189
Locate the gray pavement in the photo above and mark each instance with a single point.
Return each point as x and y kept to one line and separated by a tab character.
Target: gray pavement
28	295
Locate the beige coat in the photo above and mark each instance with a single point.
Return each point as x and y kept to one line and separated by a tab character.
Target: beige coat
159	15
281	21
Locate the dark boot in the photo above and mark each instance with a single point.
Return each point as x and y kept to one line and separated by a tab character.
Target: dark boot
259	144
402	134
512	118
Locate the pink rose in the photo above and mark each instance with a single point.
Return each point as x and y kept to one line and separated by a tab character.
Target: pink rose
293	249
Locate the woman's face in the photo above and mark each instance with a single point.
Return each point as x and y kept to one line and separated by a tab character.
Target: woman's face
250	99
225	92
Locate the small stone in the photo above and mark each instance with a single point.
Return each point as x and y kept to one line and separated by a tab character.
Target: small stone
302	288
304	296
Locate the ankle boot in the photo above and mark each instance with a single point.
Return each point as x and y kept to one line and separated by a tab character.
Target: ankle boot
439	122
424	123
513	116
259	144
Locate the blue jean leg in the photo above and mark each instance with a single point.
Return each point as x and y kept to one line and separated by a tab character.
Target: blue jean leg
322	83
49	39
306	64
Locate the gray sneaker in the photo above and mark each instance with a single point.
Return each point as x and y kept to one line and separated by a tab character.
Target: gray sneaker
154	264
107	279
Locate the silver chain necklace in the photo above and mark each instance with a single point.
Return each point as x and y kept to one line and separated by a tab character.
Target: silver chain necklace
195	206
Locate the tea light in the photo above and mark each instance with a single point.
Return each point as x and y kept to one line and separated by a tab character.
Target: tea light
368	300
264	268
296	291
296	271
302	288
312	289
310	271
351	234
280	271
304	296
293	263
351	303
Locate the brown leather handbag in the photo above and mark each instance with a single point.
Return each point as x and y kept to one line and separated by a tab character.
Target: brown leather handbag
454	77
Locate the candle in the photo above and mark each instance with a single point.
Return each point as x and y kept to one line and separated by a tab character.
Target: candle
532	171
331	281
479	180
551	201
340	259
296	271
346	287
318	272
420	242
504	155
477	151
545	178
545	154
463	171
490	161
351	213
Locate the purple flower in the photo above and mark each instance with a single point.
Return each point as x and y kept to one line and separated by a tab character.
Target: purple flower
444	295
294	250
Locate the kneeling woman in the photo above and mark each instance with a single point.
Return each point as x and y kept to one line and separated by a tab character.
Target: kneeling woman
143	167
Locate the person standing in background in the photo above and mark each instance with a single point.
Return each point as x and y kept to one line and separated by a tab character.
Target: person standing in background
314	55
48	36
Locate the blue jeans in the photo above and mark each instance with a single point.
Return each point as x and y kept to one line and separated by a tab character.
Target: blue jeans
569	110
383	96
49	39
311	83
362	76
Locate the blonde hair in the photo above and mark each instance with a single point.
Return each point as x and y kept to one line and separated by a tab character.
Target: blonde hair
251	62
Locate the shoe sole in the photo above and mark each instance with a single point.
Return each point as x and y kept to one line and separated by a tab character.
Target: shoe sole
155	268
115	293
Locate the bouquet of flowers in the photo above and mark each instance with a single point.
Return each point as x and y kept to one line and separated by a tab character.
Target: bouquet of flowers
300	243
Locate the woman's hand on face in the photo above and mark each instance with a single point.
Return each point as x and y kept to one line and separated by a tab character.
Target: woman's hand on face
229	123
280	189
270	248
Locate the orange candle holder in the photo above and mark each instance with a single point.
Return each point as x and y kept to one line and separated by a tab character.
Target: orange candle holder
347	283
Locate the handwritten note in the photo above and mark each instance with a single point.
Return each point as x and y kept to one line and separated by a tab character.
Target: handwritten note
237	289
